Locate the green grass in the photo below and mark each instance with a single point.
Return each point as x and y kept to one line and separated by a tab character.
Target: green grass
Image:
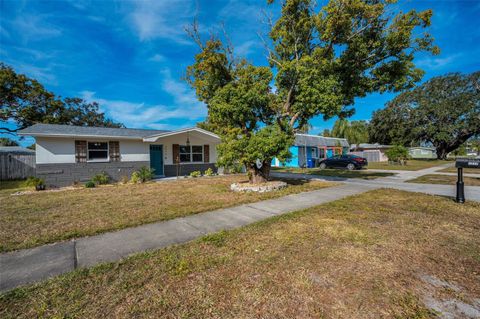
465	170
444	179
363	174
8	187
412	165
360	257
45	217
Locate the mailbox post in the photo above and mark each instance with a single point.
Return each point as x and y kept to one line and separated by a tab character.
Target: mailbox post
460	186
460	164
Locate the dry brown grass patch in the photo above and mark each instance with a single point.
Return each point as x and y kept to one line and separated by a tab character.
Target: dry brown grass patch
445	180
354	258
39	218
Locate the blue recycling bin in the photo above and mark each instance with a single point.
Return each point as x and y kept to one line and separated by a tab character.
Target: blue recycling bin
310	163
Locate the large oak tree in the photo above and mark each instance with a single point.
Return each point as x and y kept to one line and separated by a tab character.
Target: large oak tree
443	112
320	60
24	101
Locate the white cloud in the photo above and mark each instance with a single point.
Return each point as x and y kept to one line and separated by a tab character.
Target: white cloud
35	27
242	10
157	58
437	63
246	48
162	19
133	114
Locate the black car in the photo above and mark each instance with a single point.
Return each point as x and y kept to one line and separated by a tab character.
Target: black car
349	162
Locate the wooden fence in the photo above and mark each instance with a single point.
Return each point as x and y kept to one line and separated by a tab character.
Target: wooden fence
16	166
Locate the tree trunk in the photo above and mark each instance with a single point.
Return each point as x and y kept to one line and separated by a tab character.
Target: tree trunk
441	153
444	148
259	175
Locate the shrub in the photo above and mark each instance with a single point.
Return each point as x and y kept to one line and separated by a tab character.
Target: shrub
235	168
90	184
142	175
36	182
195	174
101	178
135	177
398	154
208	172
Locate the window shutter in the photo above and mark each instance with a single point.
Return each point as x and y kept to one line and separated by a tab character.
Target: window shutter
206	153
114	150
176	153
81	151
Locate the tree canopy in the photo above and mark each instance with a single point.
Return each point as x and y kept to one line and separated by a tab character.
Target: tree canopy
355	132
320	60
24	101
5	141
443	112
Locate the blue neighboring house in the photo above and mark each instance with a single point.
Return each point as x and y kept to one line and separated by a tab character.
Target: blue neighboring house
313	147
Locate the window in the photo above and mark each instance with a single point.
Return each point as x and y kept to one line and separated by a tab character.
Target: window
321	153
97	151
193	153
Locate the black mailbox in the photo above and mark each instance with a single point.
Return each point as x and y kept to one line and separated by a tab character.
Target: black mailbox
467	163
460	164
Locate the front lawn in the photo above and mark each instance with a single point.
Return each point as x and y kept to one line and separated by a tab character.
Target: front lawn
363	174
465	170
444	179
8	187
412	165
45	217
382	254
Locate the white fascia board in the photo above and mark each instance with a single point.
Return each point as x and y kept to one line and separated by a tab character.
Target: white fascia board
81	136
154	138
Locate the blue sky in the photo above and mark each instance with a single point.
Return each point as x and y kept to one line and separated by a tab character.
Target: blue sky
130	55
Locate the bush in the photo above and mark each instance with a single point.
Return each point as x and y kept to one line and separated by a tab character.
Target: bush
90	184
209	172
135	177
36	182
397	154
235	168
101	178
195	174
142	175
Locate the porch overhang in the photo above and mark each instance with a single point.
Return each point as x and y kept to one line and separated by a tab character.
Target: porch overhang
207	134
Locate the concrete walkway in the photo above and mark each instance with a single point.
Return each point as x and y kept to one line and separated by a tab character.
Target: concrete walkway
31	265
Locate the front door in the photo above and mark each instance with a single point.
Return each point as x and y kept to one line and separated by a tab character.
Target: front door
156	159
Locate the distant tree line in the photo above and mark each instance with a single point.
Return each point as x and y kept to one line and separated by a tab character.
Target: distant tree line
443	112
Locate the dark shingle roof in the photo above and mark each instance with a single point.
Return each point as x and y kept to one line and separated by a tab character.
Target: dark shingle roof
316	140
16	150
70	130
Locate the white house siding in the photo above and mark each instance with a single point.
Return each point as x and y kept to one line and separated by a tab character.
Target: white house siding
195	139
53	150
134	151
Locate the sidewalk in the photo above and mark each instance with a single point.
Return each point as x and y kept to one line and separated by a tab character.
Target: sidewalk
31	265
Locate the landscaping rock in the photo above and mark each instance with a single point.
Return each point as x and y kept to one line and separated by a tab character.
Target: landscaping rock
261	188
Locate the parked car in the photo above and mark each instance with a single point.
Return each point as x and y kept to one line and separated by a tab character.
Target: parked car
349	162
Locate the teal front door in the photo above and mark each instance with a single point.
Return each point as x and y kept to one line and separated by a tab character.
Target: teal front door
156	159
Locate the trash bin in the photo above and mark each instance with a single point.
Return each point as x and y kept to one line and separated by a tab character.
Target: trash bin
310	163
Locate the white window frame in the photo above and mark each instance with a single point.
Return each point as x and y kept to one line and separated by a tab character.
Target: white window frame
191	154
98	160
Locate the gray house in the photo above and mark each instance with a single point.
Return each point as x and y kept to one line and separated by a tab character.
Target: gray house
67	154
